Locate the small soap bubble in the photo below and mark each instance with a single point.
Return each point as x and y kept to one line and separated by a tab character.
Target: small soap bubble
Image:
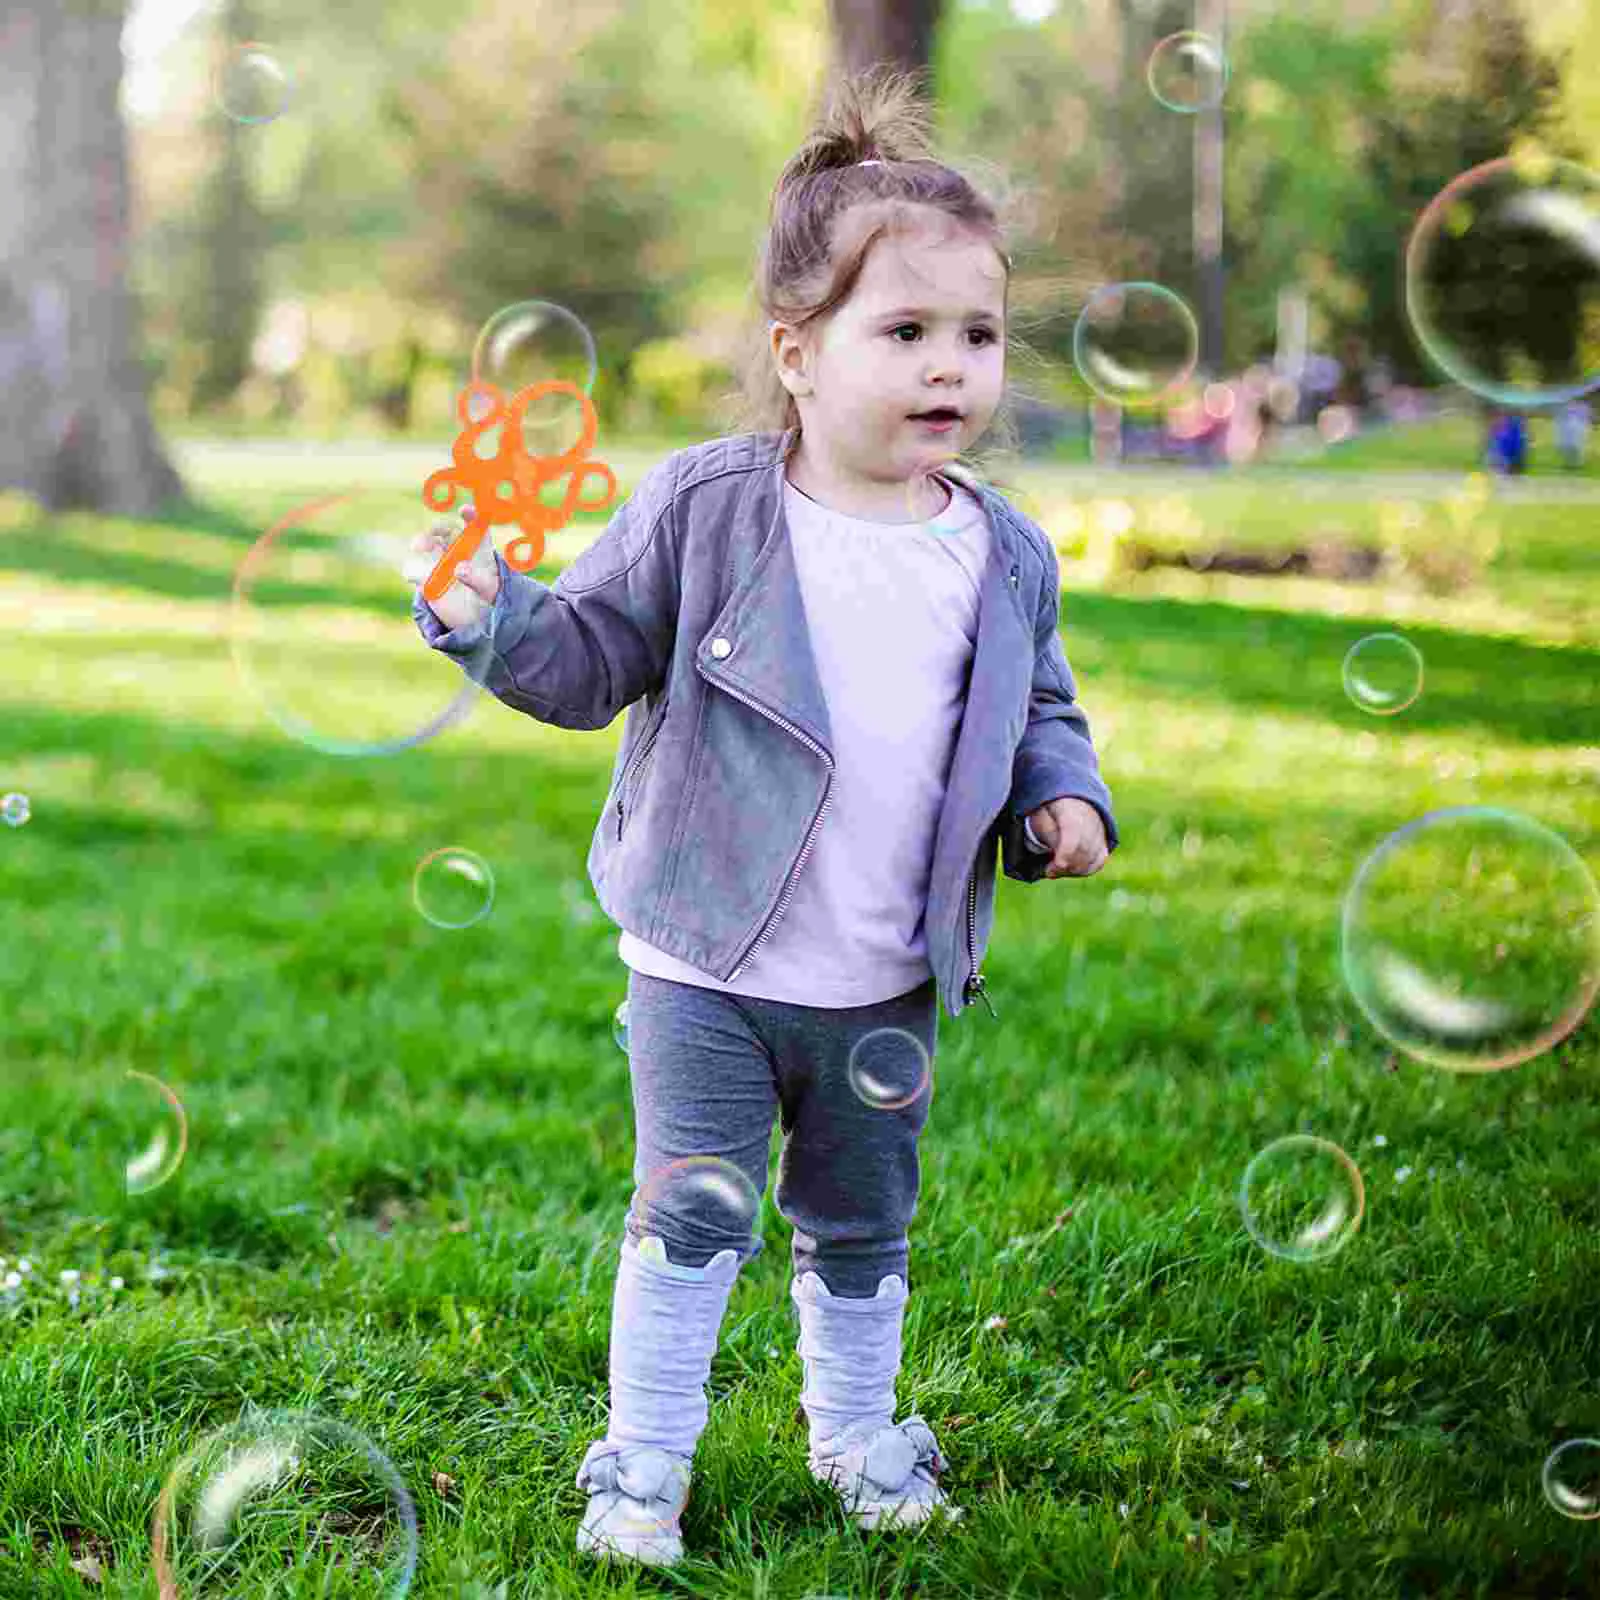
15	810
1571	1479
324	634
284	1496
888	1069
453	888
1188	72
1383	673
703	1193
1134	342
253	86
156	1132
1302	1198
619	1027
532	342
1471	938
1502	280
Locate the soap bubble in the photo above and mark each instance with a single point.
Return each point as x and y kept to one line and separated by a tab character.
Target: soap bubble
1502	280
1134	342
157	1132
323	633
704	1193
538	341
1302	1198
1383	673
453	888
1471	938
252	86
15	810
284	1498
619	1027
1188	72
1571	1479
888	1069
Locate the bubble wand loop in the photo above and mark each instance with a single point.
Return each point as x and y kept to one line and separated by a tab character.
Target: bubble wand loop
505	487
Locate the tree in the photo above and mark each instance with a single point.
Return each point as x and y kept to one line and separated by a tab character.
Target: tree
75	425
1469	93
224	302
867	32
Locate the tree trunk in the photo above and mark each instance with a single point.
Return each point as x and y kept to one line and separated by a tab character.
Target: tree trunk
75	425
227	309
866	32
1211	19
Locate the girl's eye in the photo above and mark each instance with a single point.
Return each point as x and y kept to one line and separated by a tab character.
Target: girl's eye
985	335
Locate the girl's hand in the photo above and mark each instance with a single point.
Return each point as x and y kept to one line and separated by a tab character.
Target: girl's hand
1076	836
476	581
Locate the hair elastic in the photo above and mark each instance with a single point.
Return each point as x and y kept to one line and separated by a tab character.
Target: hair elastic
871	161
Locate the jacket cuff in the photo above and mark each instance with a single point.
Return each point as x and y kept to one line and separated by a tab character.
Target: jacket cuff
465	643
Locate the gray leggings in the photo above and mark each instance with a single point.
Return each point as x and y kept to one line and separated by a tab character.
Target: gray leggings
711	1069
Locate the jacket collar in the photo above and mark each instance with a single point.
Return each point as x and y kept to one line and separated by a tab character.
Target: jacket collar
764	620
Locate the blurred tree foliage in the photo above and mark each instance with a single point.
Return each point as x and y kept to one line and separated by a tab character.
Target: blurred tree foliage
617	156
1342	123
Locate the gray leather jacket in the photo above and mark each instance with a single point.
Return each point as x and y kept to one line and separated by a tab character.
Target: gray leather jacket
687	611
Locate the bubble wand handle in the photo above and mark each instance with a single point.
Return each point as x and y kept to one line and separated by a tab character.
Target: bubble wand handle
461	549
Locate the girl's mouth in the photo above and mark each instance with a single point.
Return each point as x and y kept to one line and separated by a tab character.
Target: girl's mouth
941	418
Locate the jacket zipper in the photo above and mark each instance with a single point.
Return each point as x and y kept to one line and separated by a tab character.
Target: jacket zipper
805	849
976	988
636	761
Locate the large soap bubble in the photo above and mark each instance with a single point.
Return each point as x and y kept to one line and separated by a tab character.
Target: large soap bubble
1471	938
1502	280
324	636
284	1502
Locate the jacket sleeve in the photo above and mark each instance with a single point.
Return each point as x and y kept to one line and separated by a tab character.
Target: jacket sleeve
1054	757
576	652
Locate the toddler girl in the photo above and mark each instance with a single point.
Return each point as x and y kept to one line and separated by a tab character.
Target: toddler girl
845	689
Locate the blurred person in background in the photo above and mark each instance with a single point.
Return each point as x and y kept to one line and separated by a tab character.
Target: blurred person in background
1572	432
1508	443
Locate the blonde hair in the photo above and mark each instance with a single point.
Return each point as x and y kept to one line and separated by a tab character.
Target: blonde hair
809	264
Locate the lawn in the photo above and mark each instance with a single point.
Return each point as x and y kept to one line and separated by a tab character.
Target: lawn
409	1148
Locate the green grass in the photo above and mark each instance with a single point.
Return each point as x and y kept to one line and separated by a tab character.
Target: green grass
1454	442
410	1149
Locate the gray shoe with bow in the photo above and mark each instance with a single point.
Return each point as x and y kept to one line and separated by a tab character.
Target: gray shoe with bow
886	1475
636	1495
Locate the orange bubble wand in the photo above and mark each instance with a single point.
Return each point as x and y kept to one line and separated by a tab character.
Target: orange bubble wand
505	486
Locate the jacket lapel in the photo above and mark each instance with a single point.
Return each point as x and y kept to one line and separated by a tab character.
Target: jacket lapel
764	619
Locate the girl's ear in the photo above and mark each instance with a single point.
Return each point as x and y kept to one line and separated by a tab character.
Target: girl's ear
789	356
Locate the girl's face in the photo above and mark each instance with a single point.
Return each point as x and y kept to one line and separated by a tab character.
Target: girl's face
924	327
